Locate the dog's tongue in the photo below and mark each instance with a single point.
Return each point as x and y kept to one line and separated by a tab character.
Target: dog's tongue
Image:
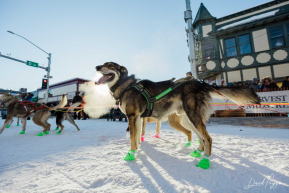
102	79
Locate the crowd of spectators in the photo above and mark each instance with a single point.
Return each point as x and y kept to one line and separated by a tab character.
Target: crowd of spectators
266	84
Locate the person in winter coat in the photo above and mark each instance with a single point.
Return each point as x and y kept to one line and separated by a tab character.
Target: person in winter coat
268	84
254	84
77	98
229	85
286	83
29	97
82	105
240	85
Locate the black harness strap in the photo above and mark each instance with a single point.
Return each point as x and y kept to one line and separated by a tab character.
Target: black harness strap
150	100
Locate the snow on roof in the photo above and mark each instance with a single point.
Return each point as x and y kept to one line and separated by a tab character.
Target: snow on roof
250	19
246	9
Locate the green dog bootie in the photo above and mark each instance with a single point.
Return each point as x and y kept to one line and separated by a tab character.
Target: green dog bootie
130	155
57	128
40	134
8	126
18	124
188	144
58	133
196	153
204	163
22	132
198	142
46	132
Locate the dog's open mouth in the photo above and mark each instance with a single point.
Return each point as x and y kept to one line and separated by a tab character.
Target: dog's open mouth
106	78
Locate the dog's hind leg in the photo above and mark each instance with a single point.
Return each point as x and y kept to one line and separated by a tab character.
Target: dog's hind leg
23	125
185	122
144	124
158	129
7	121
44	119
70	119
175	123
41	120
198	111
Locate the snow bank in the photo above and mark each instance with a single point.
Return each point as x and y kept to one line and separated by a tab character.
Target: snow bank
91	160
250	19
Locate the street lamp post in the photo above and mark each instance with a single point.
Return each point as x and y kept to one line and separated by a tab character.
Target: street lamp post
188	19
47	69
48	76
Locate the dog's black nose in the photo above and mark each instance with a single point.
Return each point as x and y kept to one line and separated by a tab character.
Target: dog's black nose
98	68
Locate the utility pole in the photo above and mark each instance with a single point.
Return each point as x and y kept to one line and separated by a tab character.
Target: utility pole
188	19
34	64
48	76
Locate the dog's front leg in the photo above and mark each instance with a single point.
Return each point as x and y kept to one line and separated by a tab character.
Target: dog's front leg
138	131
133	140
133	132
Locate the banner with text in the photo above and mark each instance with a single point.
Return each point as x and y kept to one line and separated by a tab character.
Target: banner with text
266	97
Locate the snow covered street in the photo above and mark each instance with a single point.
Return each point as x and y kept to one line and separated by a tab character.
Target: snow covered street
91	160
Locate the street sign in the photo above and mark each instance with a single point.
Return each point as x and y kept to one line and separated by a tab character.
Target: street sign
33	64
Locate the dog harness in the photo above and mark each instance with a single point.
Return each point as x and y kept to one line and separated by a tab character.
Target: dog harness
25	103
151	100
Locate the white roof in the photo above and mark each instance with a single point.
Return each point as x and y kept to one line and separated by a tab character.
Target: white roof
249	20
246	9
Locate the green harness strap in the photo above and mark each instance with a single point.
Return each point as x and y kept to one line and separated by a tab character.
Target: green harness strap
150	100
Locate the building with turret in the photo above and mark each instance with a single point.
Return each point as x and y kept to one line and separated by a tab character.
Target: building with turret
251	43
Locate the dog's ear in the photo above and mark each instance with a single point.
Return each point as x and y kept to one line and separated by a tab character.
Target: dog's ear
123	71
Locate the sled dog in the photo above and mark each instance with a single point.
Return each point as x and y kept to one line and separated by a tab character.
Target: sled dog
39	111
190	100
64	114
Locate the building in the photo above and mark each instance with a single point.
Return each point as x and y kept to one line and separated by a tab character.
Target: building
251	43
69	87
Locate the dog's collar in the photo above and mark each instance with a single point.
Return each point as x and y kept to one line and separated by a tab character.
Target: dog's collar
121	88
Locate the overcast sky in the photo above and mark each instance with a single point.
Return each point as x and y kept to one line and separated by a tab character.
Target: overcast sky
148	37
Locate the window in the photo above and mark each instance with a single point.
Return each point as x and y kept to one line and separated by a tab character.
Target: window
277	39
231	47
209	50
245	45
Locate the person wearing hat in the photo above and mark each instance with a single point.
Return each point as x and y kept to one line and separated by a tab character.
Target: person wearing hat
29	96
268	84
82	105
189	74
76	99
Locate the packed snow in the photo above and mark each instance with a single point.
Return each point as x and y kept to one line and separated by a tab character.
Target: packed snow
250	19
91	160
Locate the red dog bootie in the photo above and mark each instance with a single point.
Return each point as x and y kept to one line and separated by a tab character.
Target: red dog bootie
142	138
157	136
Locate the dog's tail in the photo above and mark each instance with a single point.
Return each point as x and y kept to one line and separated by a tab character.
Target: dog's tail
239	96
62	103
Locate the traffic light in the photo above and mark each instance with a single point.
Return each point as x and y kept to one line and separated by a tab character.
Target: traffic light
44	83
